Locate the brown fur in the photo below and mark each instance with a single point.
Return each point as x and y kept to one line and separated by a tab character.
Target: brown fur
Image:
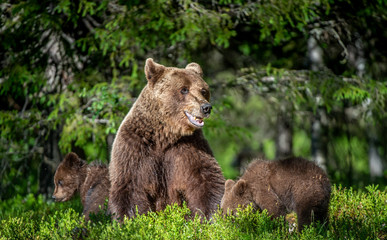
159	157
74	175
291	184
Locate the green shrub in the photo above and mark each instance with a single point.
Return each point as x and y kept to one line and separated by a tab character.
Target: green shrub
353	215
61	225
39	206
18	227
358	214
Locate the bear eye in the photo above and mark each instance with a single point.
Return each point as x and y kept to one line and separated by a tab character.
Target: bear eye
204	92
60	183
184	90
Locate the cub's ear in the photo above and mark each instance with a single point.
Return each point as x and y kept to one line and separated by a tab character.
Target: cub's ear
153	71
72	160
229	184
240	187
196	68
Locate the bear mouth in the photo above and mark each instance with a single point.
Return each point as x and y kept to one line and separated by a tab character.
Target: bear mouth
60	199
195	120
63	199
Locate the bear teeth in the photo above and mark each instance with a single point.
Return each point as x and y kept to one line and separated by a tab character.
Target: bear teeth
197	121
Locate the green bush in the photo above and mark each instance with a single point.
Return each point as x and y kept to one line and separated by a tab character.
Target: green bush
360	215
353	215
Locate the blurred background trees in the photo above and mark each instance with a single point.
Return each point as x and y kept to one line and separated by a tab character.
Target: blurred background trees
305	78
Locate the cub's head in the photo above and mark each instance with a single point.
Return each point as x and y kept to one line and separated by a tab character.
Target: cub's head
67	177
182	94
236	195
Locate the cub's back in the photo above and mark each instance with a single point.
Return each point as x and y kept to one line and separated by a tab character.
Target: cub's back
286	172
95	189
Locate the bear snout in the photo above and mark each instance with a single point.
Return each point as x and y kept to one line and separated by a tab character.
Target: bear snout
206	108
56	199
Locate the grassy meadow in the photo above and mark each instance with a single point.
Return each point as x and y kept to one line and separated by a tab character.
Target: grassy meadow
353	214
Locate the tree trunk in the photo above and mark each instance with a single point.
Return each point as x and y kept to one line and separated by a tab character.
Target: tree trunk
284	136
319	141
318	131
51	159
375	160
357	60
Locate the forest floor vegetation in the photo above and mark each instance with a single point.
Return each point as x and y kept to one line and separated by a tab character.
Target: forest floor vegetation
353	214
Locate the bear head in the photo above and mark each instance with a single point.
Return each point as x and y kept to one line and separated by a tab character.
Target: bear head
68	177
181	95
236	195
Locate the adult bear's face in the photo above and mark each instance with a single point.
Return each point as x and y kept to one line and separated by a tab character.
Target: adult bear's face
183	96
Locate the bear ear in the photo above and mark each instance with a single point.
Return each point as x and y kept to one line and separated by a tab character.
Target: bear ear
153	71
229	184
72	160
240	187
196	68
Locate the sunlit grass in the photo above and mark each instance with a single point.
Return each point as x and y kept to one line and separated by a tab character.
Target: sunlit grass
353	215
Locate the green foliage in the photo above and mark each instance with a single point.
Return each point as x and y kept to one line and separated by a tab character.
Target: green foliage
35	206
363	211
305	89
281	19
70	71
301	143
353	214
75	68
91	114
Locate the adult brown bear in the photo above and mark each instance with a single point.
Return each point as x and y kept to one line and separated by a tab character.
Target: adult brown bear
160	155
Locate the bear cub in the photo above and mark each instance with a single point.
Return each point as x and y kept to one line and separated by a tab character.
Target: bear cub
291	184
74	175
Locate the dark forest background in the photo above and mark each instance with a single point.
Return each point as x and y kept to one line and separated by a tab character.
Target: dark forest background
305	78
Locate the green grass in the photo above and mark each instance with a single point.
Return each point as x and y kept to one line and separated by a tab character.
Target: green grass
354	214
